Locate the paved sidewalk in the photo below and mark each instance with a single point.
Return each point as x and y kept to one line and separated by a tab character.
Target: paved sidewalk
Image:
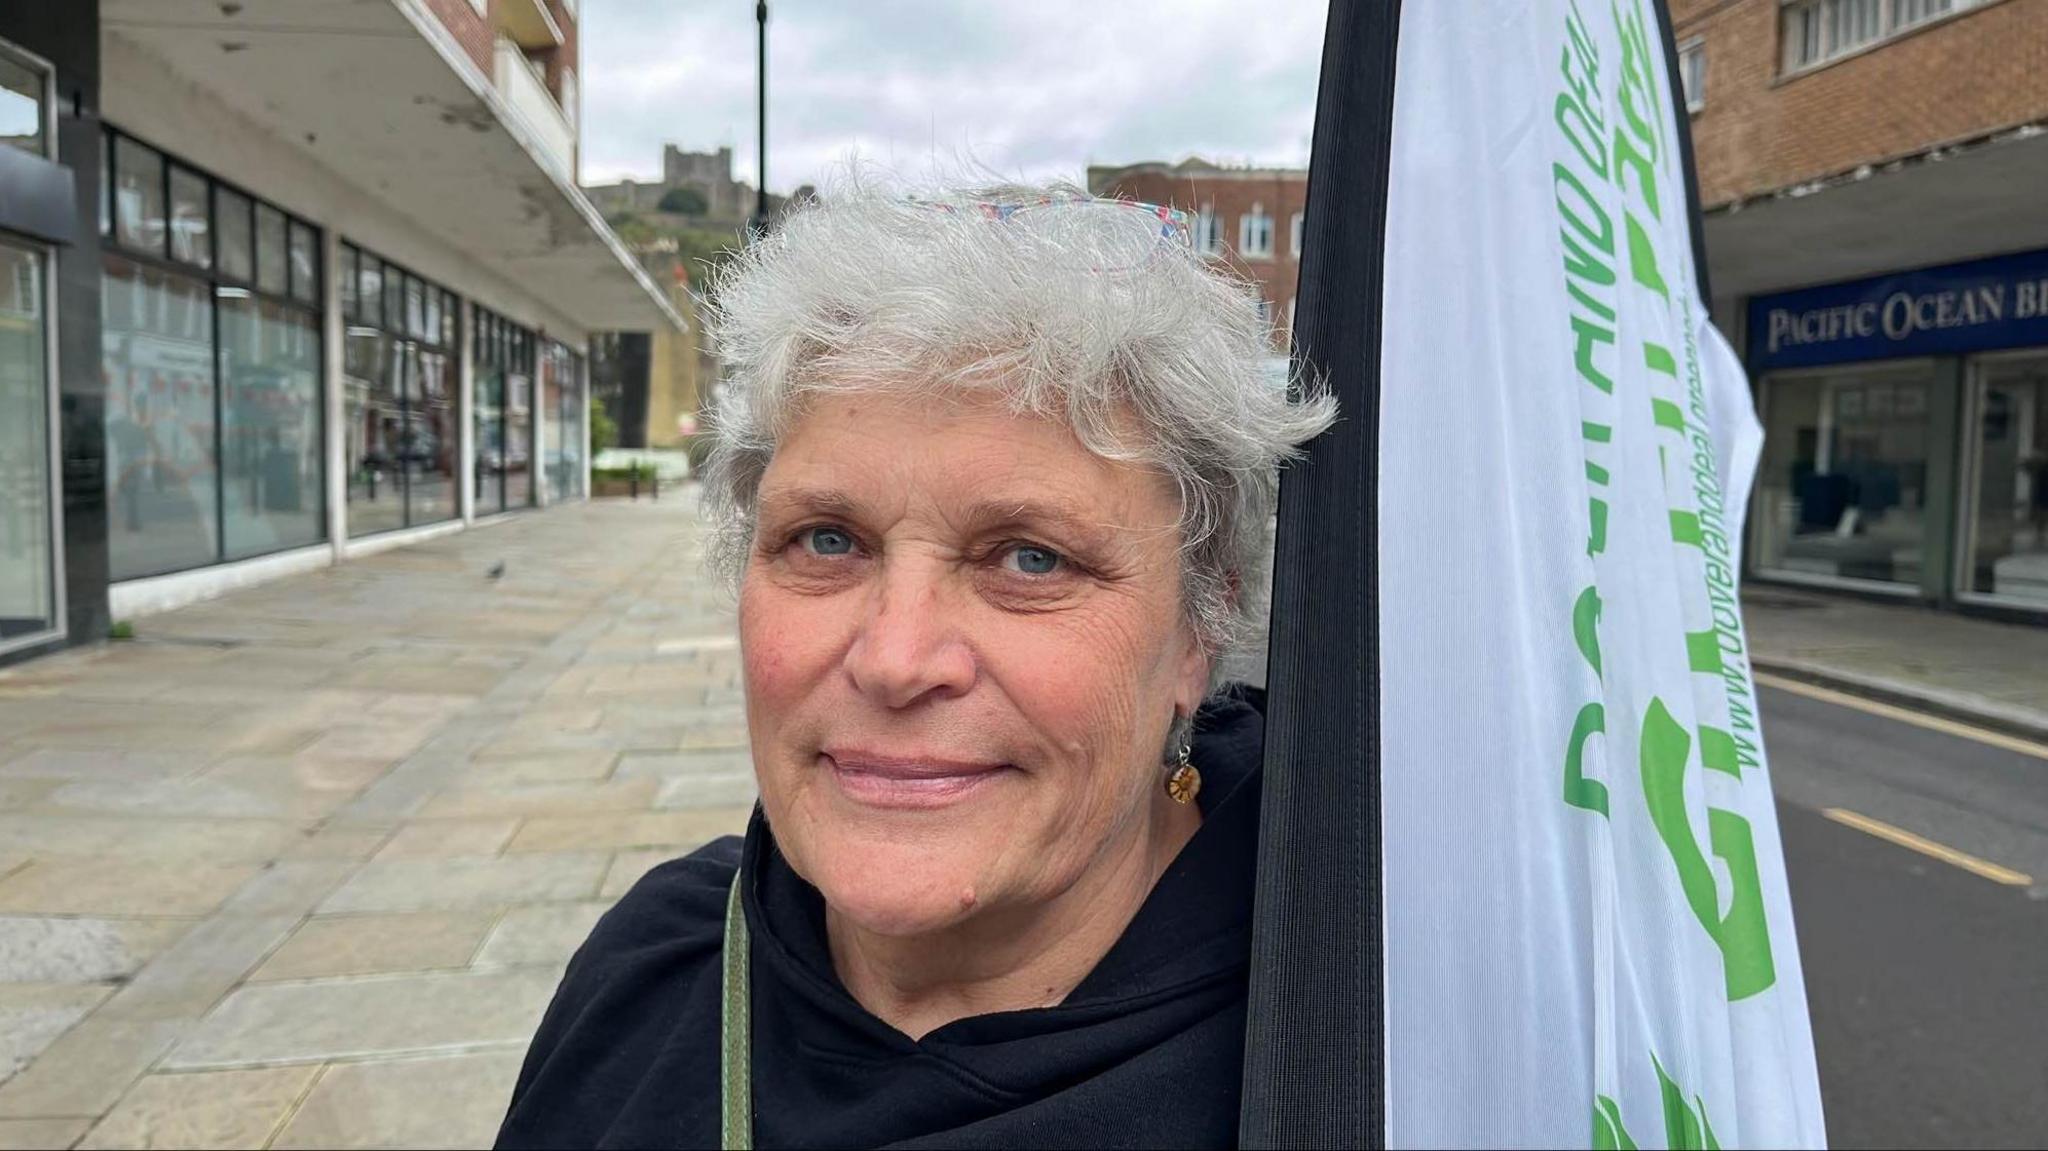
1990	673
300	867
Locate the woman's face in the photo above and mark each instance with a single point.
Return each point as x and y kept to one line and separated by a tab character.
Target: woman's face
964	649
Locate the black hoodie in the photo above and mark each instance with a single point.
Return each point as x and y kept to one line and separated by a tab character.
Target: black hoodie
1147	1052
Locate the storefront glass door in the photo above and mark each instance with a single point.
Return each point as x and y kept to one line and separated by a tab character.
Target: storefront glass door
28	562
2006	527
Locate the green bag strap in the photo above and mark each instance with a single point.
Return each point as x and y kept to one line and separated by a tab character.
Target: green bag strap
735	1065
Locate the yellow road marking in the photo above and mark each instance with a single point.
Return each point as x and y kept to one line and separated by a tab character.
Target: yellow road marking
1928	847
1903	715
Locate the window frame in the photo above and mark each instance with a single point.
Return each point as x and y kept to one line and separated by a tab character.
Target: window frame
1255	224
1826	19
1208	231
215	282
47	287
394	323
1969	494
44	261
1769	385
502	343
1695	92
48	72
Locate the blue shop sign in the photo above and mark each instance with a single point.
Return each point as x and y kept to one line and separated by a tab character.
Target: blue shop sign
2001	302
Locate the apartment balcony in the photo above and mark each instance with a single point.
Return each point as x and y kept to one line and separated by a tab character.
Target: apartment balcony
519	82
527	23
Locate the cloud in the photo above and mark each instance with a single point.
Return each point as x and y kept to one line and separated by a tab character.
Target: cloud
1034	90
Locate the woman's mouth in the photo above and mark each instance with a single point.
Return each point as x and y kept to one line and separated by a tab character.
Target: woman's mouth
884	780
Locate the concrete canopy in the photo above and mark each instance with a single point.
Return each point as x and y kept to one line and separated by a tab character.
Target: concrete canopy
1982	198
380	93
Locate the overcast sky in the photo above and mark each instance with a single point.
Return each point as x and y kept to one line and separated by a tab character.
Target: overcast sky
1029	88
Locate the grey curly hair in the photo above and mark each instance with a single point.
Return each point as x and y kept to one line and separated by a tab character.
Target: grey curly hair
1073	308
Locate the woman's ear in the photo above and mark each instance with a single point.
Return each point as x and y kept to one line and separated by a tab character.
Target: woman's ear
1192	685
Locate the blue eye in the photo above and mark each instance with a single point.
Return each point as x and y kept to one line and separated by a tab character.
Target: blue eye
828	542
1032	560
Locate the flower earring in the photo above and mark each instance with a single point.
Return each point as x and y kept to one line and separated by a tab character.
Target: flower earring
1183	782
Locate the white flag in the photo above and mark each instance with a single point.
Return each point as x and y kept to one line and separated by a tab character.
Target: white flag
1588	933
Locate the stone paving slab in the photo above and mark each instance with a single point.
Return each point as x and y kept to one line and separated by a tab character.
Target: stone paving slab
1979	670
51	949
59	885
449	1101
301	866
204	1109
467	881
354	1018
682	829
34	1014
335	945
544	935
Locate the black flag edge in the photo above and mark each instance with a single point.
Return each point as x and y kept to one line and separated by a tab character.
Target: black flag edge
1676	91
1313	1069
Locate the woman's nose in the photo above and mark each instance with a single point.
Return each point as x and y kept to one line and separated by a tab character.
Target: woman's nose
909	646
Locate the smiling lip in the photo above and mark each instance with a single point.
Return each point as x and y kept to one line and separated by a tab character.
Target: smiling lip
880	780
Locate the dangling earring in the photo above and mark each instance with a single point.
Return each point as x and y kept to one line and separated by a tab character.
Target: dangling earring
1183	782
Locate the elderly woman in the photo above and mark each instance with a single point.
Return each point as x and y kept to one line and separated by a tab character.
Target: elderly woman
992	474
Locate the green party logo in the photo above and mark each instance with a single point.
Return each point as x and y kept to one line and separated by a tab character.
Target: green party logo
1685	1124
1629	155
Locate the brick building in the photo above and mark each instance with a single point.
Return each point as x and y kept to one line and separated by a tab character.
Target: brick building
283	283
1250	218
1874	177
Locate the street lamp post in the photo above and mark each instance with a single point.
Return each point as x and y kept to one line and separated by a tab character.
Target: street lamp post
760	223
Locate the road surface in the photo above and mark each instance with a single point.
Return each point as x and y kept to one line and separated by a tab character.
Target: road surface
1918	858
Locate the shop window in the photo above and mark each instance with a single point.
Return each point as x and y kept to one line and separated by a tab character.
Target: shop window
271	449
106	195
156	336
233	226
2007	552
402	443
27	552
564	441
519	386
1841	492
305	263
371	306
271	261
373	422
415	308
190	241
487	408
394	299
551	379
138	196
350	281
506	362
214	414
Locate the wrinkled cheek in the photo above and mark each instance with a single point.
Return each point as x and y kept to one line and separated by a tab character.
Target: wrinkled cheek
771	653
